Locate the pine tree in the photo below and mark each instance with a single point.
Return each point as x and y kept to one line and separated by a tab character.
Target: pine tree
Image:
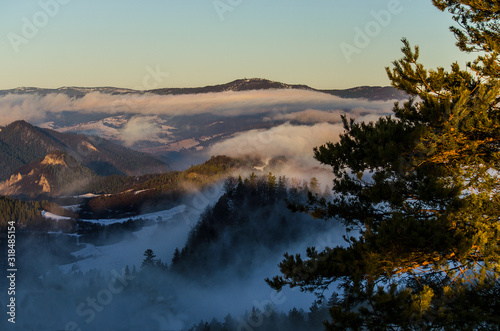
480	31
176	257
149	259
425	253
229	323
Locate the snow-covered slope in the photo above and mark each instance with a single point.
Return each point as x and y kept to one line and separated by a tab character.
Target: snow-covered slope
130	251
54	217
162	216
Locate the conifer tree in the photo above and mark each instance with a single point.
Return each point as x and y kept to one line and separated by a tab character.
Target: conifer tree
421	192
149	259
176	257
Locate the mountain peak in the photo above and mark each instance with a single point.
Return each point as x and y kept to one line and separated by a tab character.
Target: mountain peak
19	124
242	84
254	84
245	84
22	143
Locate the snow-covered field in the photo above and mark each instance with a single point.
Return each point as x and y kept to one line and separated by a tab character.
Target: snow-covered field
161	238
129	251
54	217
162	216
85	196
159	216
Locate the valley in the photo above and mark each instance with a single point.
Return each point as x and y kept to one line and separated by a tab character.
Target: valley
236	165
204	184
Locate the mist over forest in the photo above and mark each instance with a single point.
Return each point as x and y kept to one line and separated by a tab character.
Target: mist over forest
252	205
201	270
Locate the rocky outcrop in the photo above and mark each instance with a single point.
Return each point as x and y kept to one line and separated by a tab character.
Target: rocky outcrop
54	159
8	187
44	183
55	174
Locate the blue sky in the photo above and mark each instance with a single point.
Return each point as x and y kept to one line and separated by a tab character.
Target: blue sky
191	43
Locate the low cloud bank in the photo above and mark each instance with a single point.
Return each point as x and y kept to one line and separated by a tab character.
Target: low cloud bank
312	106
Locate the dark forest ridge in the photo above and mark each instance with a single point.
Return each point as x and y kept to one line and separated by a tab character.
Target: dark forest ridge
367	92
22	143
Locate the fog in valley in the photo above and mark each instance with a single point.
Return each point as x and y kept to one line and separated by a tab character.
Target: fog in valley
214	248
105	287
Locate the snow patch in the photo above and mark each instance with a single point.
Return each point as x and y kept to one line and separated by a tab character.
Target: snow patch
138	192
162	215
127	252
55	217
73	208
48	125
87	195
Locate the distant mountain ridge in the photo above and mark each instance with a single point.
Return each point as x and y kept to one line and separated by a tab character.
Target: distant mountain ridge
381	93
236	85
22	143
368	92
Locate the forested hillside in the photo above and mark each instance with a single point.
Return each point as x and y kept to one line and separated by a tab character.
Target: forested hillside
56	174
22	143
156	192
28	215
248	223
268	319
118	195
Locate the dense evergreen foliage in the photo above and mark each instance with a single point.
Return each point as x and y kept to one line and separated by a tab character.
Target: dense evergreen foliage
152	288
478	31
140	298
216	168
156	192
208	172
23	213
422	191
269	319
249	222
113	184
27	215
55	174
